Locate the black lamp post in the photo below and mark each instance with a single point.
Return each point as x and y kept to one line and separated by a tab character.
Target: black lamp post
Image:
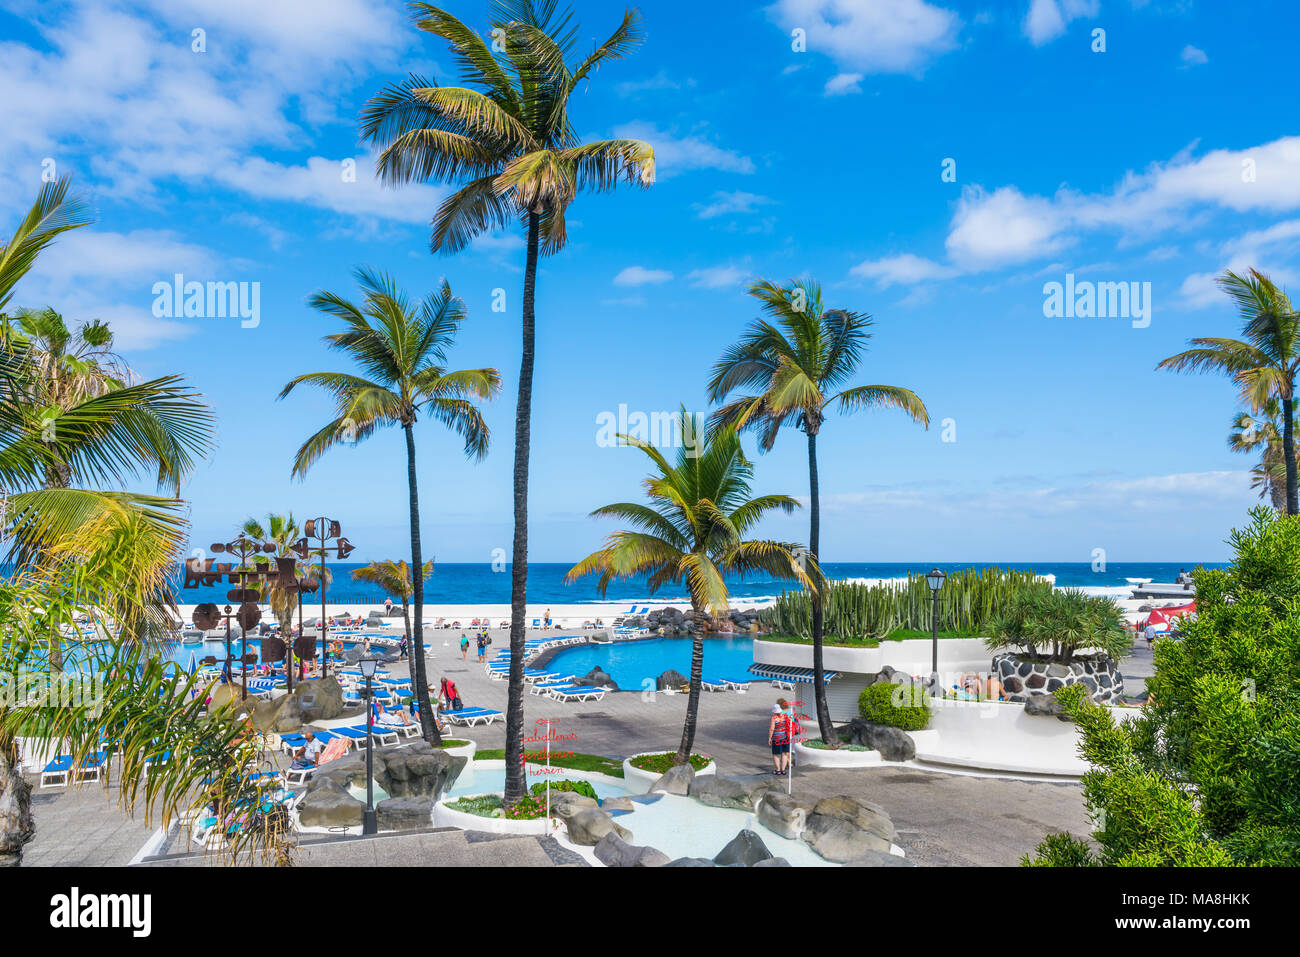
369	821
935	578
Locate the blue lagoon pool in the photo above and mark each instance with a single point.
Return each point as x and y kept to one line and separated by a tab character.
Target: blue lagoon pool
636	664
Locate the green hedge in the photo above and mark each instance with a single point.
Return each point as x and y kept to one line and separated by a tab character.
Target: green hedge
899	706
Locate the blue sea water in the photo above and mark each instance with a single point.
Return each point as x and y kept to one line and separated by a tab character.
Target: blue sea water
462	584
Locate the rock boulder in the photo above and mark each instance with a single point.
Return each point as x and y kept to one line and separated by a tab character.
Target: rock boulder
319	699
894	744
676	780
845	828
671	679
745	849
613	851
328	805
590	825
784	815
405	814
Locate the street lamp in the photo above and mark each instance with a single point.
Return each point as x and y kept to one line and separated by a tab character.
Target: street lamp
369	821
935	578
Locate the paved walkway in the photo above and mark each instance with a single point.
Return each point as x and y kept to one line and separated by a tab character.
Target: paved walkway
943	819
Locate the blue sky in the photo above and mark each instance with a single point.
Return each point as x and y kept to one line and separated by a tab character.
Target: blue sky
1163	159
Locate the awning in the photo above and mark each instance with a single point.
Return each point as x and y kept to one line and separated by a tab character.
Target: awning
790	673
1165	616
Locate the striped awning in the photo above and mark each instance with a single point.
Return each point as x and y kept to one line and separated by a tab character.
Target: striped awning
789	673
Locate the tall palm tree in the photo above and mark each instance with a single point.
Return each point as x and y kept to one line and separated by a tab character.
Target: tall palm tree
505	136
1263	364
1262	431
55	211
791	366
401	346
395	578
692	533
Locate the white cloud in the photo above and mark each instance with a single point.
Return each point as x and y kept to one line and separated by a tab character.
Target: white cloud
716	277
1047	19
843	83
726	203
95	255
675	154
660	81
872	36
991	229
905	268
1004	226
640	276
322	183
1191	56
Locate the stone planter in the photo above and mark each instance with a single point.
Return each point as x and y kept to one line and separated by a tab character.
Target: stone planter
638	782
839	758
1022	678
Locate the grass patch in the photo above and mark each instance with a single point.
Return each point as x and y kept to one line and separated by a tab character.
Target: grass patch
820	745
574	762
660	763
485	805
452	743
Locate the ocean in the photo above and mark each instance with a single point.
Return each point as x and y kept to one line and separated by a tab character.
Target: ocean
463	584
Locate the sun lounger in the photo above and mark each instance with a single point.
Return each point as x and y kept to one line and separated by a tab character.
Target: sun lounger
713	684
738	684
61	770
471	716
575	693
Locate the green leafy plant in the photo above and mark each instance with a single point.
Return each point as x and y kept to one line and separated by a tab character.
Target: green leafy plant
577	787
899	706
661	763
1210	774
1054	625
862	614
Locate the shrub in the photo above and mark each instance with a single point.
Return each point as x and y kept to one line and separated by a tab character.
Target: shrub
1210	774
577	787
661	763
1053	625
899	706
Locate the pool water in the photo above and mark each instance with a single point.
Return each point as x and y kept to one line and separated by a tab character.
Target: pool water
634	665
90	656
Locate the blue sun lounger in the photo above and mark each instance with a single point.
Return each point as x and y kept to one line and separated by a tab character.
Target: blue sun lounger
471	716
575	693
61	770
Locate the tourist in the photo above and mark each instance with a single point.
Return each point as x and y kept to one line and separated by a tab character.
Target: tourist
778	735
464	647
546	620
1149	633
402	648
481	643
308	755
388	607
450	695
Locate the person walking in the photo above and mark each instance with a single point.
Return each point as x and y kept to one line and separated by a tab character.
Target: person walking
778	735
464	647
388	607
481	643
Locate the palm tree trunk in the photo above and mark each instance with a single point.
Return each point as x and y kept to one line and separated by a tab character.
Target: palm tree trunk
428	727
829	737
683	754
16	827
515	783
1288	456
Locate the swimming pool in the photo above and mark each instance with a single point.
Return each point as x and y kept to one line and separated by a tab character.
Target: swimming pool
634	665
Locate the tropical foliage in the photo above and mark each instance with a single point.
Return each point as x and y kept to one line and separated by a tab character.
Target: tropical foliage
1263	364
793	365
1262	431
401	347
856	612
1054	625
395	578
504	135
1210	774
692	533
903	706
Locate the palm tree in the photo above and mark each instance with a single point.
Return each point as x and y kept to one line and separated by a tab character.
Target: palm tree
506	138
793	364
280	531
401	347
69	426
395	578
1263	364
692	533
1263	430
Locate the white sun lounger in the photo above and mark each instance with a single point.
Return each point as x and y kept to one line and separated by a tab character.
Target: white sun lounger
575	693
